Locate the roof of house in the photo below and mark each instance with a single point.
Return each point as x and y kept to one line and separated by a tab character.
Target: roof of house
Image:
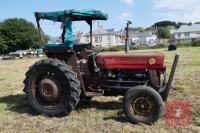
189	28
102	31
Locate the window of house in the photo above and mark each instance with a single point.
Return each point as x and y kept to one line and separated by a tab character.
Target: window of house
179	35
100	39
187	34
87	38
109	40
96	39
198	33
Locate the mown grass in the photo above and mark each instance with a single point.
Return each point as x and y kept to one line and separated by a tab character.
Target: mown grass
101	114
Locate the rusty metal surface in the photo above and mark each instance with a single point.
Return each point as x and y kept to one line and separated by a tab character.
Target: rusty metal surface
45	90
142	106
39	28
49	89
83	64
154	78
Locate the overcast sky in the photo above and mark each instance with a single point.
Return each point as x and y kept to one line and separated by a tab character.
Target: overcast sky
142	12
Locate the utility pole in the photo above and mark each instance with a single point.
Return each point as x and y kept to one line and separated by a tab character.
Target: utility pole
127	37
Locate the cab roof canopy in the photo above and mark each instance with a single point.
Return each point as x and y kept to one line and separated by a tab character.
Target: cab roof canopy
74	15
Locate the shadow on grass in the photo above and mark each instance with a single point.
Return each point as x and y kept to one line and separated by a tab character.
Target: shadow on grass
17	103
119	117
111	105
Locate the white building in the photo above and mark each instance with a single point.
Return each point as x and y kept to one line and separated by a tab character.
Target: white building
80	38
186	33
147	37
105	37
100	37
109	37
54	40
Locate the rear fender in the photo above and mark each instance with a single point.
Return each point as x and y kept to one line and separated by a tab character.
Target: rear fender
69	57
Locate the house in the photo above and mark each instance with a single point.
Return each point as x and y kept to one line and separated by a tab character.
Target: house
147	37
100	37
122	36
80	38
186	33
54	40
104	37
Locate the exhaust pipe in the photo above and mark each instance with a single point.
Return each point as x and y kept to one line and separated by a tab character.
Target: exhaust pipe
127	37
165	91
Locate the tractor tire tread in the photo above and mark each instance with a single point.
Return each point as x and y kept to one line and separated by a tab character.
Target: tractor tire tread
69	74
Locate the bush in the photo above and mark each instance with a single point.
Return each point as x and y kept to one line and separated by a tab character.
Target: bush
196	43
159	46
180	45
122	48
112	49
192	44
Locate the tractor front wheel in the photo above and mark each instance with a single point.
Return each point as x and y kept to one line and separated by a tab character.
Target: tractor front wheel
143	104
52	88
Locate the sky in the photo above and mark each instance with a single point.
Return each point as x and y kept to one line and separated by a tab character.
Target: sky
142	13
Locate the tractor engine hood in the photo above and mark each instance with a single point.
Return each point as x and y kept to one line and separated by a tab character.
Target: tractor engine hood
140	60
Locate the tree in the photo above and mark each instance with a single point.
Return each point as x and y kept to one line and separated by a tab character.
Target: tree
164	24
163	32
19	34
3	47
137	29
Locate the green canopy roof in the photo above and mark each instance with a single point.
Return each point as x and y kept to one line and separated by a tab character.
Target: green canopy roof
75	15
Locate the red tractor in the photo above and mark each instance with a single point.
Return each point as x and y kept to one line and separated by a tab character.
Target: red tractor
54	86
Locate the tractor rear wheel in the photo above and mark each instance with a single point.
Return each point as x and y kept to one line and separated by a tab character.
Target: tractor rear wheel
143	104
52	88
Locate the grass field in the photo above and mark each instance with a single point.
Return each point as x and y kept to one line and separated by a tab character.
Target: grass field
101	114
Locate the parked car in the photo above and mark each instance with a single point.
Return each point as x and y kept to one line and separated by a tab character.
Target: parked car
8	57
18	53
132	44
29	52
40	52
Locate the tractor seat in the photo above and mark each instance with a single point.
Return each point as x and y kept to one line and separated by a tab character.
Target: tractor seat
140	60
